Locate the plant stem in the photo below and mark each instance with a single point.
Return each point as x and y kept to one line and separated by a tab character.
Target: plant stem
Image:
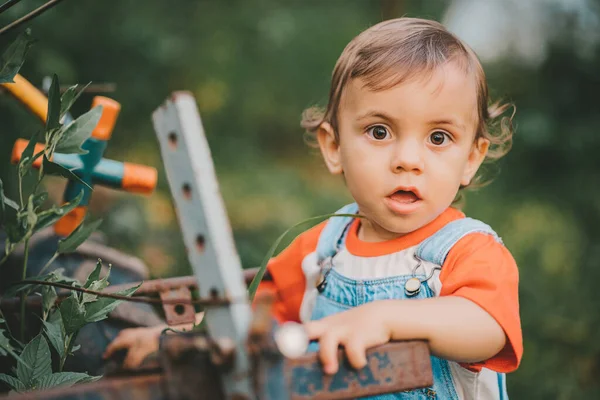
6	324
21	190
6	256
25	292
40	173
50	261
68	340
142	299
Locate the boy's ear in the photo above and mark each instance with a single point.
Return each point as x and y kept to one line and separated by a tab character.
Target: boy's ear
330	148
476	156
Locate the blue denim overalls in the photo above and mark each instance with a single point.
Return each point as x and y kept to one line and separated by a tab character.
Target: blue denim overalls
339	293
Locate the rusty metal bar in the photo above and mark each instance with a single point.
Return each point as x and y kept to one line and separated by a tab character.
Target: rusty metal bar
149	387
391	368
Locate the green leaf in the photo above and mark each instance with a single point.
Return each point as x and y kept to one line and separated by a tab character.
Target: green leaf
55	331
39	199
12	59
69	98
74	349
52	120
7	348
95	275
63	379
5	200
48	299
54	276
78	131
13	382
52	215
58	276
99	309
5	345
73	314
27	156
96	285
90	379
78	236
31	214
15	230
37	355
52	168
13	290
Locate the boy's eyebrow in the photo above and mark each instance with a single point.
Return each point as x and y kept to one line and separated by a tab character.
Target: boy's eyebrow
448	122
374	113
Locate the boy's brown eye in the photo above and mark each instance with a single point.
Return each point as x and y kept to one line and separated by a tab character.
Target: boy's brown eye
438	138
379	132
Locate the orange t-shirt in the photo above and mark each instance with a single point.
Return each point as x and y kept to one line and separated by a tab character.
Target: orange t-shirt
477	268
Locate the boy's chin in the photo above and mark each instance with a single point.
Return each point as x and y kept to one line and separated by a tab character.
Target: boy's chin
387	229
405	224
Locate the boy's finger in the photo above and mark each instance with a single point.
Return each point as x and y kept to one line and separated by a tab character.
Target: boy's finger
328	350
356	353
134	358
314	329
115	345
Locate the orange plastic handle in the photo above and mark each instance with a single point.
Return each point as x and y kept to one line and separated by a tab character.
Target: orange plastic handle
110	112
29	95
70	222
139	178
19	148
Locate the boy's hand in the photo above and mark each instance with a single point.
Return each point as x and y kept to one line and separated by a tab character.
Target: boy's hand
139	343
357	329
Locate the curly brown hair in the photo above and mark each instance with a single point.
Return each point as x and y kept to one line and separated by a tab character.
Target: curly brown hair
396	50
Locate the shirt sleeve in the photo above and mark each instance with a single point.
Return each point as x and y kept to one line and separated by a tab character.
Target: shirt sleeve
286	278
482	270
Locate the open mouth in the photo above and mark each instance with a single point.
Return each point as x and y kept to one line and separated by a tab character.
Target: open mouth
405	196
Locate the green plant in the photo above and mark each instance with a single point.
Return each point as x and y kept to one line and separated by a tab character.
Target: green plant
61	321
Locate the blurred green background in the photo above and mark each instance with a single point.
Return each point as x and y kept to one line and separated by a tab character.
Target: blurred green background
253	66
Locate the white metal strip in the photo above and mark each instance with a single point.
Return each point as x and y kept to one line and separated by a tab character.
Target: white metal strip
206	229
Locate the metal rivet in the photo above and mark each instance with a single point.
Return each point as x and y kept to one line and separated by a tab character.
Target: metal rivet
412	286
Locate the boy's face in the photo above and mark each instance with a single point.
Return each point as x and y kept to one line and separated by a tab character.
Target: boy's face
405	151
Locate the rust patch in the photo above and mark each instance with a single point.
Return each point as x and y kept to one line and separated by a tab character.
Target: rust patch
391	368
177	314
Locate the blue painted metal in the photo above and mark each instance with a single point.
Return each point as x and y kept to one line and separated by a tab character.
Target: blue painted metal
91	168
391	368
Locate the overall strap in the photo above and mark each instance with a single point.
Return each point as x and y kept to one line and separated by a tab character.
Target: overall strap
333	233
435	248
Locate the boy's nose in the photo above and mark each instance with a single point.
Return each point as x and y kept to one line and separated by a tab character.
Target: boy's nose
407	156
